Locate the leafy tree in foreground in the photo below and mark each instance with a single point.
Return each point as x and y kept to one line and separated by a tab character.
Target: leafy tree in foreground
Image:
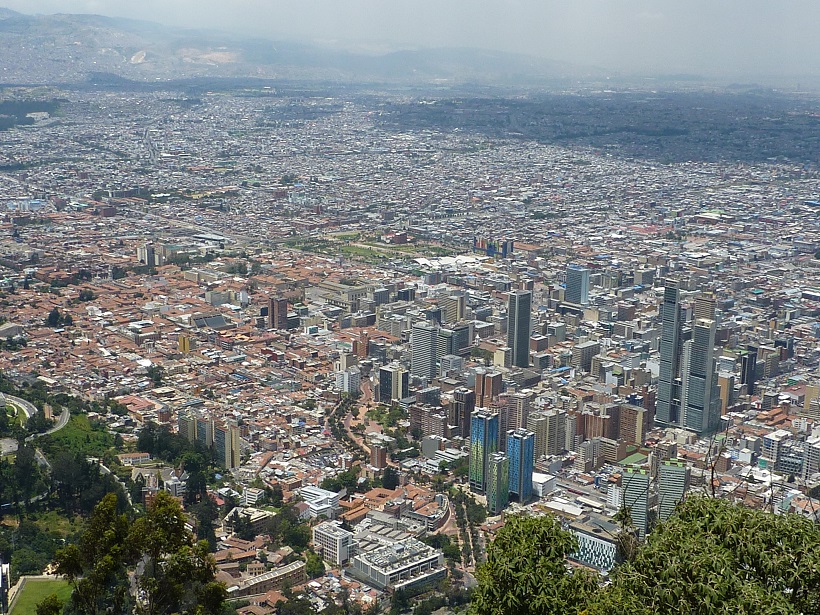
173	574
716	557
97	565
526	571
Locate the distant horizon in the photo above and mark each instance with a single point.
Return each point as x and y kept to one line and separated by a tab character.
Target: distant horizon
730	41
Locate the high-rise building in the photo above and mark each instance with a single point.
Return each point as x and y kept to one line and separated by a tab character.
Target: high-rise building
667	403
461	409
378	456
673	483
635	483
748	369
520	447
487	386
205	431
453	307
519	326
227	449
349	380
187	426
483	443
700	395
537	424
513	410
277	313
577	290
394	383
498	492
424	353
556	432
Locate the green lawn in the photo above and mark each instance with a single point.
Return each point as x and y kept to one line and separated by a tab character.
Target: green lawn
79	437
35	591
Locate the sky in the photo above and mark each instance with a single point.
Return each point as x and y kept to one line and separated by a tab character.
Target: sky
723	38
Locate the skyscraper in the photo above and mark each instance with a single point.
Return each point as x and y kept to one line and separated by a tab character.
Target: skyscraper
635	484
393	383
424	351
667	404
520	447
513	410
519	326
498	492
577	290
700	397
461	408
483	443
748	369
277	313
487	386
537	423
673	483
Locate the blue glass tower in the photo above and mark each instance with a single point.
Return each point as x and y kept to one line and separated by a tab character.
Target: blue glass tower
483	443
520	449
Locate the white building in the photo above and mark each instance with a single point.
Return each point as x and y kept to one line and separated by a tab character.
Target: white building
334	543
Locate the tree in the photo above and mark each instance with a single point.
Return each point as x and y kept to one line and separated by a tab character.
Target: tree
51	605
314	565
54	318
526	571
97	565
176	576
390	478
713	556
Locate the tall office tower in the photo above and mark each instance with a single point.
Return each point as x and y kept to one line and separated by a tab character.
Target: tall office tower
704	307
483	443
424	351
537	423
445	342
748	369
556	432
520	447
487	386
453	307
277	313
635	485
673	483
461	409
462	338
226	446
394	383
498	491
205	431
700	396
187	426
519	327
667	403
577	290
571	438
513	410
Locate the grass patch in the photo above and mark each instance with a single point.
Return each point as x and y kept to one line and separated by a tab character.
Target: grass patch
79	436
36	591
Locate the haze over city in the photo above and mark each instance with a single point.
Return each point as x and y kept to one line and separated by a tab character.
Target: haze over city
726	40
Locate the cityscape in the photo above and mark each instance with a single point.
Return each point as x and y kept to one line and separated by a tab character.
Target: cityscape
353	331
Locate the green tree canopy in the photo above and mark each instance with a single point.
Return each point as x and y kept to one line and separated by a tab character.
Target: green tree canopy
526	571
713	556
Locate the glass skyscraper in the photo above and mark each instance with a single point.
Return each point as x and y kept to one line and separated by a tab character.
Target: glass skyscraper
483	443
520	450
519	326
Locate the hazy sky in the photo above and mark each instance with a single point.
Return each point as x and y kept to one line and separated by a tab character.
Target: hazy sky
720	37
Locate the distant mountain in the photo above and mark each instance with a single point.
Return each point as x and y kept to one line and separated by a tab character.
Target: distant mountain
75	48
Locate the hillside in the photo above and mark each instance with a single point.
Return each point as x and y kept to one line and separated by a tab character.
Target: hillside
71	48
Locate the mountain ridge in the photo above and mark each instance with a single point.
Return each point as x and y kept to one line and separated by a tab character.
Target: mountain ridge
68	48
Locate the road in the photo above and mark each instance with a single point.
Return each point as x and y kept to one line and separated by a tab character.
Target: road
8	446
